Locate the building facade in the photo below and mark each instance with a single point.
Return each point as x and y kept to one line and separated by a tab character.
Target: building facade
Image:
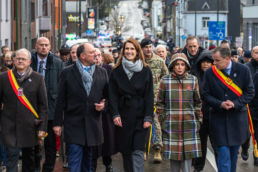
250	24
5	23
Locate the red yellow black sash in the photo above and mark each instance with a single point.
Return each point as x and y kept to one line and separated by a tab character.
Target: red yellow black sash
21	97
238	91
227	81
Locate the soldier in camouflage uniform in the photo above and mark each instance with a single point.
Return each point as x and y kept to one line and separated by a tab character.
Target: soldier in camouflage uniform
158	69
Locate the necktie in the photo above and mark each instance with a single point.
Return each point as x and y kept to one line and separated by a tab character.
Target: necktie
41	66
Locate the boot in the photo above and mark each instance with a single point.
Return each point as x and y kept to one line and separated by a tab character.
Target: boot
244	154
157	156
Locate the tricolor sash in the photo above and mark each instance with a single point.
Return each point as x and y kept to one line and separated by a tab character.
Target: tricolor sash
21	97
227	81
238	91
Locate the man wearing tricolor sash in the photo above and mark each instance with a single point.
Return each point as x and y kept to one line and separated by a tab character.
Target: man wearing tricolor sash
24	117
228	88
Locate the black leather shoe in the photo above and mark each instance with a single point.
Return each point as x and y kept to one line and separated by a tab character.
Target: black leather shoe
109	168
244	154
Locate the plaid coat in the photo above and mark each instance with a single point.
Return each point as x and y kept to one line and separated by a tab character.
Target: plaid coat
178	107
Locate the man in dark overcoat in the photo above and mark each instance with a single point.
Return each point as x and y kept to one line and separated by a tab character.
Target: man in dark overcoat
82	91
20	127
228	113
50	66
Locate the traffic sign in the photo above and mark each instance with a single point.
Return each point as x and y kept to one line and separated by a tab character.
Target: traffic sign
216	30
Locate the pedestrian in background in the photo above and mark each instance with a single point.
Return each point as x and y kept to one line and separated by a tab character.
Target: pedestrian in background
50	66
73	55
192	50
227	89
22	121
108	147
162	52
159	70
4	50
107	59
203	63
253	67
131	103
178	108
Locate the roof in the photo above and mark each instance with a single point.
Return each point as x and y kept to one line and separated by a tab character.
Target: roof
207	5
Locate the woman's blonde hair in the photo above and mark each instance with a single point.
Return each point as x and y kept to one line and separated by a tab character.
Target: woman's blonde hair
139	53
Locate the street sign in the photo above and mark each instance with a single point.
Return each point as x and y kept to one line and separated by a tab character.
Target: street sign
91	23
216	30
88	32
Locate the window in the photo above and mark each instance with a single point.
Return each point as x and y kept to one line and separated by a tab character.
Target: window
7	8
45	8
205	22
32	11
1	10
6	42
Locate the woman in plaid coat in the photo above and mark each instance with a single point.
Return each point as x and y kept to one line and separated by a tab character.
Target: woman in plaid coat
178	108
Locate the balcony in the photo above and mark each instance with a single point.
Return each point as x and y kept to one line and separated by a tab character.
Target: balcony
44	23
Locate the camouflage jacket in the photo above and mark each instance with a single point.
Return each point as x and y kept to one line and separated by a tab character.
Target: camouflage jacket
158	69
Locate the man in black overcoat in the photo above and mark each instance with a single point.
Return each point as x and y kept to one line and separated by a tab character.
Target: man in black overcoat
50	66
82	91
228	113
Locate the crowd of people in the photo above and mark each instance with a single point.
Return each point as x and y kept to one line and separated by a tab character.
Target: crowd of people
96	104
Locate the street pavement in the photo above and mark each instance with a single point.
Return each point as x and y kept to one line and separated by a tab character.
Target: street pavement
210	166
132	19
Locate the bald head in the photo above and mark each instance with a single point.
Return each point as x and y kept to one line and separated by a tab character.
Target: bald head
255	53
240	51
42	47
161	51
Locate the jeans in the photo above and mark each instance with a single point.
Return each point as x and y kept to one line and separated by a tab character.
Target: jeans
79	158
227	158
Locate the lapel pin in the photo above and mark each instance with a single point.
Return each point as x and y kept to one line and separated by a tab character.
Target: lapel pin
235	75
29	79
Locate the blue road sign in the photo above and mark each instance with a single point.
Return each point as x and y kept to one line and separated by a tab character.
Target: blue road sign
216	30
88	32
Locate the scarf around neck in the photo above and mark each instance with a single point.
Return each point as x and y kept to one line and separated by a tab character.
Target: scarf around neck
87	76
130	67
26	75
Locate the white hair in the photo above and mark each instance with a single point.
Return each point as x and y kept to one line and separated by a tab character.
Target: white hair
160	46
25	51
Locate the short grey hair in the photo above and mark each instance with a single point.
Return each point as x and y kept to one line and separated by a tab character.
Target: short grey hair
160	46
25	51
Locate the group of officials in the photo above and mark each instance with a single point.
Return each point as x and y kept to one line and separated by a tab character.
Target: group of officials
39	97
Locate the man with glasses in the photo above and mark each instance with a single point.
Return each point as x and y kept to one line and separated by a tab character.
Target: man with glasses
24	117
50	66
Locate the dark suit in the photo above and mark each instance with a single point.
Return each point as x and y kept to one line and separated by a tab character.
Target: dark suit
54	67
82	122
228	128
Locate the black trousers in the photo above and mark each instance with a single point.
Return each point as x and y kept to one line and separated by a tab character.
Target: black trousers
246	145
204	133
28	159
127	162
50	149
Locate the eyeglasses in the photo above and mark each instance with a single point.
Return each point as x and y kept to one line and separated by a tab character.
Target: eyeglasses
21	59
